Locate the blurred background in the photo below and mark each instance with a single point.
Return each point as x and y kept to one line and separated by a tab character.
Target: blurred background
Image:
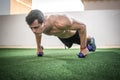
102	18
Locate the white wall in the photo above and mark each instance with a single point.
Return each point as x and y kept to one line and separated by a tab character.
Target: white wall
103	25
14	31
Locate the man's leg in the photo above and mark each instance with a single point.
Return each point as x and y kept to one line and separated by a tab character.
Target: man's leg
91	44
67	42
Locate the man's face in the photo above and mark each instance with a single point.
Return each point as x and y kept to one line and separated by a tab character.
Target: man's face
36	27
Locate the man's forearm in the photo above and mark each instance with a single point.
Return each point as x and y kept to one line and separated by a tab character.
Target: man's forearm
39	49
83	39
38	41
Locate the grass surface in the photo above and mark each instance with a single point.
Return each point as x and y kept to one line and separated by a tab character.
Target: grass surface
59	64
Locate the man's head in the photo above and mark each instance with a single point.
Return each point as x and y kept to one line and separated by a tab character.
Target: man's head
35	20
33	15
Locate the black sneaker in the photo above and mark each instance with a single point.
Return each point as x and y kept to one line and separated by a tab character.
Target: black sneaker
42	47
92	46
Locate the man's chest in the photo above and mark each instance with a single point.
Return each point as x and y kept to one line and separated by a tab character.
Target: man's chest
53	31
63	33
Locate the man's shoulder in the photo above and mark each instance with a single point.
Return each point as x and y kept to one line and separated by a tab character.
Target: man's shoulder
57	16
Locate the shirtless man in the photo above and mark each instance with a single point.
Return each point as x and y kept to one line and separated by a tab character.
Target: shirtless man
68	30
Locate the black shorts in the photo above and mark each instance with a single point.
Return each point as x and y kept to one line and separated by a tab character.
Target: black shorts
69	41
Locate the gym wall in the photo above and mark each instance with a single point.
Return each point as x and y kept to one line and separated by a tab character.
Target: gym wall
4	7
20	6
101	4
101	24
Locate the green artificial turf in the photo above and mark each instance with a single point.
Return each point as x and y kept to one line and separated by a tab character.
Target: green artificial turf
59	64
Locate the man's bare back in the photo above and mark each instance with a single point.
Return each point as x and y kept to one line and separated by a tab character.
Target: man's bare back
56	25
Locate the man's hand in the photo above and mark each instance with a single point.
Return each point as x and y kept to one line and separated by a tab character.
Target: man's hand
83	53
40	51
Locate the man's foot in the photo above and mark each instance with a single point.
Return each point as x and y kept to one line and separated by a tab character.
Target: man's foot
91	46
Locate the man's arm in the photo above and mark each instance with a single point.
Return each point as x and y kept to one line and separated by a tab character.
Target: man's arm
71	24
74	25
82	33
38	42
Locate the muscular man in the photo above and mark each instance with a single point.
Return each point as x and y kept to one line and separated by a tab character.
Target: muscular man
67	29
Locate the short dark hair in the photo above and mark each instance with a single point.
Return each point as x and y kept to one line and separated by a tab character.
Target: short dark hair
34	14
